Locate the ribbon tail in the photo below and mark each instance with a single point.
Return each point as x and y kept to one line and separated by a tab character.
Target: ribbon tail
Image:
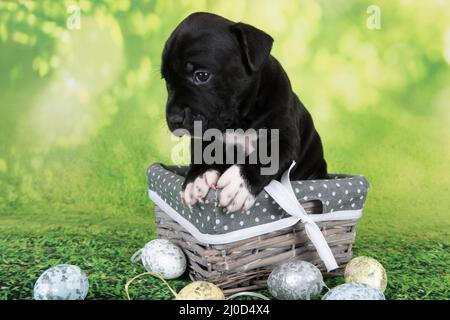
321	245
285	196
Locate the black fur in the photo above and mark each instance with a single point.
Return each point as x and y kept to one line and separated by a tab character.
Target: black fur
248	88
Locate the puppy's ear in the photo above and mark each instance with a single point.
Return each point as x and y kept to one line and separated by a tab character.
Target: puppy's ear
165	50
255	44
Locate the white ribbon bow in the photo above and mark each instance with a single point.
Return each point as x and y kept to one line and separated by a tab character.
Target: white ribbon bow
283	194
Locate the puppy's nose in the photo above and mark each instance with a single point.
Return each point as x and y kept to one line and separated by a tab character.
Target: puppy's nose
227	119
176	119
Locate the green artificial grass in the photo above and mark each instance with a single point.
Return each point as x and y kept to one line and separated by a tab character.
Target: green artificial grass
416	269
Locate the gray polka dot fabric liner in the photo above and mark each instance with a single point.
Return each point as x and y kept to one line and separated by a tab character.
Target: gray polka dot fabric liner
342	197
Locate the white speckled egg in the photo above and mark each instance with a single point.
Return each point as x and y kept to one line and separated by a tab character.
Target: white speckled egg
162	257
61	282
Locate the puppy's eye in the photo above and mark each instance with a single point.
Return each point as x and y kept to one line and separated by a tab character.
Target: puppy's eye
201	76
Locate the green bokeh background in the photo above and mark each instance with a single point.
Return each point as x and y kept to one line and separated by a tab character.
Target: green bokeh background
82	116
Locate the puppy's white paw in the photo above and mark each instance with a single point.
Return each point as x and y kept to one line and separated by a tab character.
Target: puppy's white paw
197	190
211	178
234	195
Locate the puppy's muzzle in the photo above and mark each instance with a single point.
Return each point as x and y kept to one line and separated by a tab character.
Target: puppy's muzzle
183	118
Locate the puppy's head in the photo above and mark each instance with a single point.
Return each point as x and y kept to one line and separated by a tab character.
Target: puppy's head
210	65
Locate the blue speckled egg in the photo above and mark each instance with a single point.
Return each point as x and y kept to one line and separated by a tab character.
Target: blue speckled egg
354	291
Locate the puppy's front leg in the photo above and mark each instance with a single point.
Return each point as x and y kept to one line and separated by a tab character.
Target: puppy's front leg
241	183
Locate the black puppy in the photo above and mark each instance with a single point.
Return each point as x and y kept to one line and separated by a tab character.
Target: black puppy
222	73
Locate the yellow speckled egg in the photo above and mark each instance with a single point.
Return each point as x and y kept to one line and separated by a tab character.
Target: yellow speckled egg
366	270
200	290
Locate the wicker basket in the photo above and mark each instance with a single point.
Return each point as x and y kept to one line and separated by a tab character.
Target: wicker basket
245	265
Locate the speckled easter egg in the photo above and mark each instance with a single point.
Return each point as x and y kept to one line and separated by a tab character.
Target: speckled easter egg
354	291
200	290
366	270
162	257
61	282
295	280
